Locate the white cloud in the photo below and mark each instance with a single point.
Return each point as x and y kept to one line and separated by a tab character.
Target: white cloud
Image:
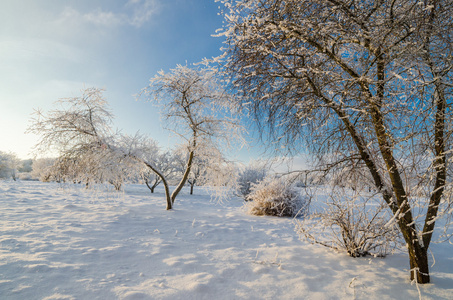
103	18
135	13
143	10
97	17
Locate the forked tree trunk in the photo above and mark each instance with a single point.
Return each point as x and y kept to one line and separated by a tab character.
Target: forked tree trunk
151	188
147	184
164	181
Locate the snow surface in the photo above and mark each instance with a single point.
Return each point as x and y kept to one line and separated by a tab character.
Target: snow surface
63	242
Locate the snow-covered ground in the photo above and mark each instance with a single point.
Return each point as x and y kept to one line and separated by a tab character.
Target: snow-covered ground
68	243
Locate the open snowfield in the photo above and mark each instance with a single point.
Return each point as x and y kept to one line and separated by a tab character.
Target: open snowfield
63	242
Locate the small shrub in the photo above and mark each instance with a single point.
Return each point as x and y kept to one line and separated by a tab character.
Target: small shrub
352	223
275	197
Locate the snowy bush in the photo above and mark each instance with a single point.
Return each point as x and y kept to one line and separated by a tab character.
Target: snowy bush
275	197
357	225
249	176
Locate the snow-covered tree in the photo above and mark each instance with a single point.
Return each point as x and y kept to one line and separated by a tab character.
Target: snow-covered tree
368	79
197	169
209	168
197	172
43	169
80	131
9	165
196	108
77	125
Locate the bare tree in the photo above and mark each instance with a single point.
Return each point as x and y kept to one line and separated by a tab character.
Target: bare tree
195	107
368	79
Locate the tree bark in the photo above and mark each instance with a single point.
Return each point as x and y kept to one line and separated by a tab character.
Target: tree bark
418	258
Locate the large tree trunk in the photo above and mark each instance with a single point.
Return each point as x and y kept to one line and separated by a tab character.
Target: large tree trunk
418	258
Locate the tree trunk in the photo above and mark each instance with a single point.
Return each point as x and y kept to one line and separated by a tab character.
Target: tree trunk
191	188
167	195
185	176
418	258
151	188
164	181
147	184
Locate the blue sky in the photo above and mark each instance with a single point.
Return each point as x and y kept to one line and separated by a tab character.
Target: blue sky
51	49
